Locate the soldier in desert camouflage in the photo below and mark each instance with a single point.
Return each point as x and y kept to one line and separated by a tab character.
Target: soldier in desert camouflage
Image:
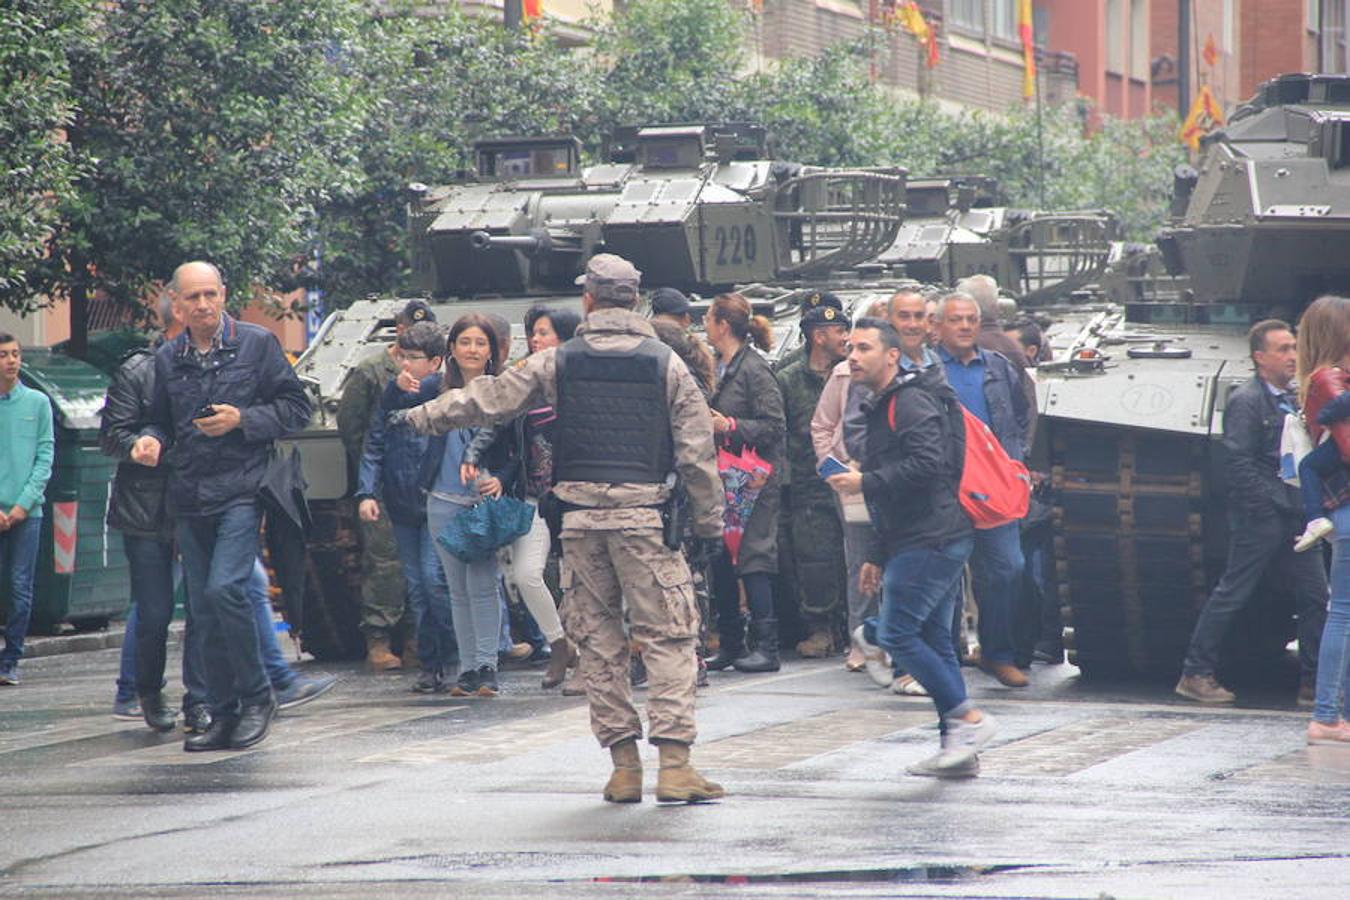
629	414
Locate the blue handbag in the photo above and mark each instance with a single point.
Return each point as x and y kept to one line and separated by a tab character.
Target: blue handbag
476	533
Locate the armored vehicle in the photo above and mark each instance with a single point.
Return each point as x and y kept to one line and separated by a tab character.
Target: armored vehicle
697	207
1132	410
957	226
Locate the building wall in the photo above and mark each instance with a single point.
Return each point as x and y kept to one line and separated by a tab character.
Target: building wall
1224	19
1276	39
1111	41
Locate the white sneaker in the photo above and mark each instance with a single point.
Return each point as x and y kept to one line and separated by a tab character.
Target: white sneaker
877	662
1317	529
938	766
907	686
969	737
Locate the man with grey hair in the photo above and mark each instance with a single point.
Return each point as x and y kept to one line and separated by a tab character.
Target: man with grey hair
224	392
983	289
630	417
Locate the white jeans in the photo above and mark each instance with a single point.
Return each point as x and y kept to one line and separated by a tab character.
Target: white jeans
529	554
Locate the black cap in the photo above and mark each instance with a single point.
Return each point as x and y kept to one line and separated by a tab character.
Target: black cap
416	311
821	298
669	302
820	316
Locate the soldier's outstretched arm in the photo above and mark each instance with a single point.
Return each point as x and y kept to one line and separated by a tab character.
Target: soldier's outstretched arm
489	399
695	453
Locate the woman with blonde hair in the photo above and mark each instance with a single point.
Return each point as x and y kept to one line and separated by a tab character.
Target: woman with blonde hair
747	411
1323	360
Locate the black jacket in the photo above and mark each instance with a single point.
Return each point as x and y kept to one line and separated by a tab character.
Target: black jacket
247	370
136	500
911	472
1252	425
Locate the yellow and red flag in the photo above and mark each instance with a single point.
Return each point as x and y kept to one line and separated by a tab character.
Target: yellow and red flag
1204	117
1026	31
911	18
1211	52
531	9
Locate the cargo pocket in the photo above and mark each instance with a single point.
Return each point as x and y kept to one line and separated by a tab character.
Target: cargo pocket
677	596
566	579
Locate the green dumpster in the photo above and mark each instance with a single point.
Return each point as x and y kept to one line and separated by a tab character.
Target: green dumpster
81	570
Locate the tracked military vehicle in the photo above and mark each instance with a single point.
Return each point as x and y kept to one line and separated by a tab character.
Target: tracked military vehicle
1132	410
957	226
697	207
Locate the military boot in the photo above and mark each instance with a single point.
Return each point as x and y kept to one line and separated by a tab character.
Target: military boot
562	658
379	656
625	783
679	782
730	645
764	658
817	646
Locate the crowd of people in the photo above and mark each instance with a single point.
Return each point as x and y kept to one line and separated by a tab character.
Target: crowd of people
844	536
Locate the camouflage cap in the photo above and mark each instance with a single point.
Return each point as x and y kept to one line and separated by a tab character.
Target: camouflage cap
821	316
610	277
821	298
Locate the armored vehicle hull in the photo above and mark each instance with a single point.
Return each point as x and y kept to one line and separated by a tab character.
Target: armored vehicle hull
1132	411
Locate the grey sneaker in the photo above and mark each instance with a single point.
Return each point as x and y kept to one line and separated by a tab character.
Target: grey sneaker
9	674
965	739
941	766
303	690
1204	689
127	710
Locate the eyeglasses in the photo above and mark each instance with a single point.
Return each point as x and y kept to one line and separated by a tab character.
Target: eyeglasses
412	357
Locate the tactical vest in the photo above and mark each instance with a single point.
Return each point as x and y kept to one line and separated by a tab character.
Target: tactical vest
613	415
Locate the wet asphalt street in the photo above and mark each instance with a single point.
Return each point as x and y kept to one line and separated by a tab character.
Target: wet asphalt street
372	791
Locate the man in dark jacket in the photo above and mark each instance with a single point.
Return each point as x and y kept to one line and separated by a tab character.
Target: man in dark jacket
989	386
138	507
1264	516
224	392
911	467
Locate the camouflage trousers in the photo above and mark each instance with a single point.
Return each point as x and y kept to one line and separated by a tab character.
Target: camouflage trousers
818	557
601	570
383	590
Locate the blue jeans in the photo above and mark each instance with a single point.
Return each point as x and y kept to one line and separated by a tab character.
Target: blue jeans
475	600
428	596
150	567
220	553
1324	459
996	568
919	592
279	672
18	558
1332	699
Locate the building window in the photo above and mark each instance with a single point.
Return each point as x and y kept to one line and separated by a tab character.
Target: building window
968	14
1313	15
1115	37
1005	20
1228	26
1139	39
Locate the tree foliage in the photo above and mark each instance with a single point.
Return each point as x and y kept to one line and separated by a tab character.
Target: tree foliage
37	170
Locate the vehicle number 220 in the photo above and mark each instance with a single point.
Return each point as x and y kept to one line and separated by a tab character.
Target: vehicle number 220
735	244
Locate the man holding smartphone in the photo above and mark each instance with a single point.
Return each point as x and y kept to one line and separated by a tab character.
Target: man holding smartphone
224	392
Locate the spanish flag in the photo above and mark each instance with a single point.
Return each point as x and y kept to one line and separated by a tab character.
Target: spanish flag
1026	30
1205	116
531	9
911	18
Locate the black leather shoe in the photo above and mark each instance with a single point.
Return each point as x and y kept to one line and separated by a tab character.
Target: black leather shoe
157	715
254	721
216	737
197	718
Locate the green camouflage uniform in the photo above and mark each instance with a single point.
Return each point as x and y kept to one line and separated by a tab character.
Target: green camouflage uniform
817	536
791	358
382	586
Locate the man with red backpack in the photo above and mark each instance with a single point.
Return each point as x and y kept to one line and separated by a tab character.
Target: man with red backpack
911	468
989	386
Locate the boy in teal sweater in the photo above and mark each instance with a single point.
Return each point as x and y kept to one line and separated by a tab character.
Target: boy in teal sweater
26	452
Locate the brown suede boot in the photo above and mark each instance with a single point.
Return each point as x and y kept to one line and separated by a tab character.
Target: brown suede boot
625	784
679	782
819	645
563	657
379	657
